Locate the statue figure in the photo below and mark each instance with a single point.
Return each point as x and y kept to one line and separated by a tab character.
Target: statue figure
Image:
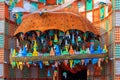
57	50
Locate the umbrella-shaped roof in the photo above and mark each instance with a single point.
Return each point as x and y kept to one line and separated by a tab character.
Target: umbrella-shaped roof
55	20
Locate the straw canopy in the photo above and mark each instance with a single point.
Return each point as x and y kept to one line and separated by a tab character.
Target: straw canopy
55	20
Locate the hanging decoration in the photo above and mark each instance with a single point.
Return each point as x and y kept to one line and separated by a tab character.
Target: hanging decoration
48	73
72	43
65	74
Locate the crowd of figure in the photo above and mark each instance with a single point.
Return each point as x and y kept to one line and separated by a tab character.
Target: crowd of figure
73	39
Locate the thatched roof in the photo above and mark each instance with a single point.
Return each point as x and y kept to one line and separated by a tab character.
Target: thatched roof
55	20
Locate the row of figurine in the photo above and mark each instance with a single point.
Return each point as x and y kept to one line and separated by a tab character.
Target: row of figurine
56	51
51	38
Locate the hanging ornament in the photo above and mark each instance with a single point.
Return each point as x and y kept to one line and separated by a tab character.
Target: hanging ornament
30	62
65	74
20	65
71	64
14	54
82	61
40	64
94	60
13	64
99	62
55	73
86	61
56	63
48	73
17	64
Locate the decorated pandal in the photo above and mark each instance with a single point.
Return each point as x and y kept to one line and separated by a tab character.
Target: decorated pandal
54	47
